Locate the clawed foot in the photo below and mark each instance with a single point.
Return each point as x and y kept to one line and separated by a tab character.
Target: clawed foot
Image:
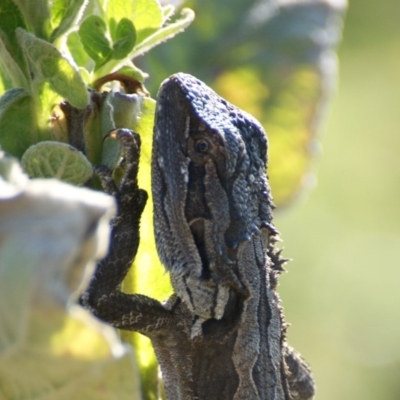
130	199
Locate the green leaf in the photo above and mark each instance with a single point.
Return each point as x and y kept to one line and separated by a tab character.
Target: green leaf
57	160
92	33
64	15
10	53
125	37
149	37
93	135
10	65
48	65
146	15
80	55
36	15
18	126
165	33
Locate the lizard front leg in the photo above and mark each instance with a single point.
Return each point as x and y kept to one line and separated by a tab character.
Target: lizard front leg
103	296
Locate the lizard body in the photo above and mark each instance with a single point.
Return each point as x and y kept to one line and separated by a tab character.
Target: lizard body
222	334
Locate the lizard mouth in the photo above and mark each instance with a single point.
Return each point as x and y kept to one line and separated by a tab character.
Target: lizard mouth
198	231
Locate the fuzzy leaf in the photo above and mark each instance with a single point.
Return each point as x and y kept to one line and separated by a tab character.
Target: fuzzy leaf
81	57
57	160
48	65
165	33
92	33
148	35
11	55
125	37
11	67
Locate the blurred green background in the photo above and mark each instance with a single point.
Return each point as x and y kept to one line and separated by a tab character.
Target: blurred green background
342	292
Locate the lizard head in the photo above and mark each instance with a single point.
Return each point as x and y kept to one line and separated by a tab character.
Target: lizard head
209	181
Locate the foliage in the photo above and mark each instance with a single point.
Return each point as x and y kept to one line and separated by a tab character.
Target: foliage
54	51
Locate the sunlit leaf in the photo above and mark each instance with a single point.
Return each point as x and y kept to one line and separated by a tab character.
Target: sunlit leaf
57	160
92	33
146	15
50	66
81	57
165	33
125	37
148	28
64	13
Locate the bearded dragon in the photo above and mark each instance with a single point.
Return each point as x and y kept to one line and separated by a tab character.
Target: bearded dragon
222	333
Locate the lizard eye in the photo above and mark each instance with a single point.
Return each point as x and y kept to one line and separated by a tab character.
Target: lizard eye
202	146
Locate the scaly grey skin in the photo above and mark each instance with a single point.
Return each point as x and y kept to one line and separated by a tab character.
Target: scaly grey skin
222	334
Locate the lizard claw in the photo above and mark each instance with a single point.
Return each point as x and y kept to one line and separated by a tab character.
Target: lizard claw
130	142
127	193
